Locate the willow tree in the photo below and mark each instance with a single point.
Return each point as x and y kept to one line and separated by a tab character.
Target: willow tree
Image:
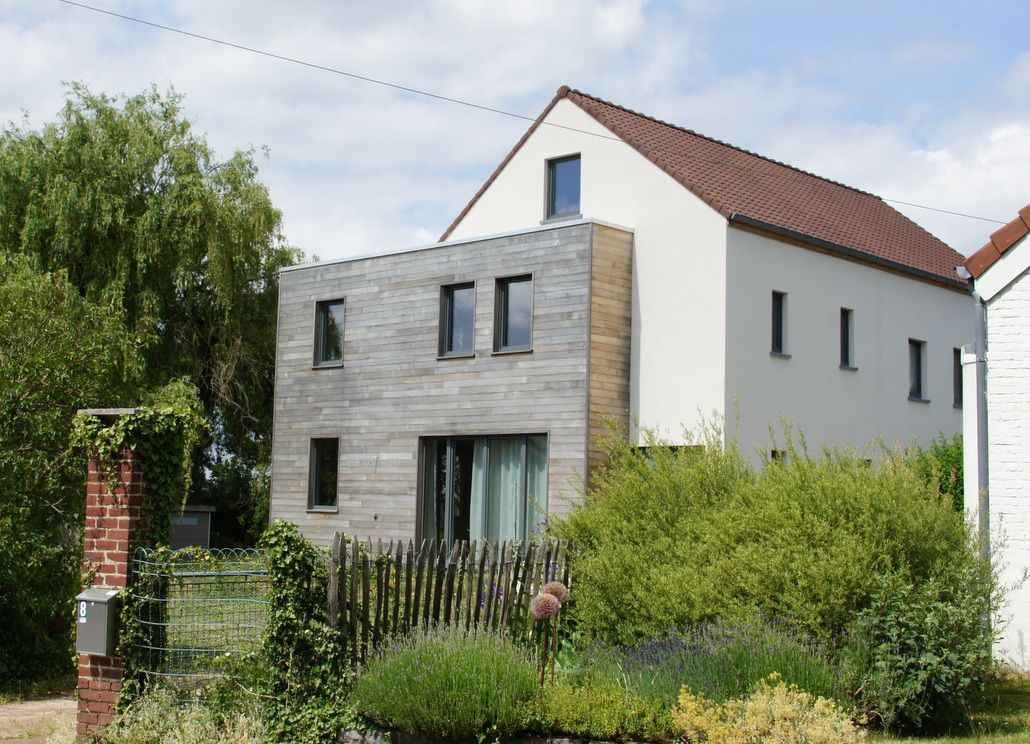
127	201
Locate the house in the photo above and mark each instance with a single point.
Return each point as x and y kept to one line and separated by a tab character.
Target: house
612	265
997	428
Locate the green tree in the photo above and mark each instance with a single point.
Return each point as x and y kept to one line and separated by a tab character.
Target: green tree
58	352
122	195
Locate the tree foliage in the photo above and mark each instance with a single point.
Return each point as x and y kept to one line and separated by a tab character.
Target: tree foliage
131	257
58	352
126	198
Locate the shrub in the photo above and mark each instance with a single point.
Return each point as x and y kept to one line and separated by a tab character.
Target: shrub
941	466
674	538
924	650
601	710
774	712
448	684
721	660
637	572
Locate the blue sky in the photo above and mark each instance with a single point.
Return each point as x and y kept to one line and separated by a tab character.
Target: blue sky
921	102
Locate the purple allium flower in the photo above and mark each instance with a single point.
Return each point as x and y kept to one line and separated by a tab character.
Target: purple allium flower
544	606
557	590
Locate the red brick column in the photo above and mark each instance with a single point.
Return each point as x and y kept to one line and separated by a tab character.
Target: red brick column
112	531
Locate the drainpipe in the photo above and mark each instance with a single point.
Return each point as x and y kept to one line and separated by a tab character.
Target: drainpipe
974	361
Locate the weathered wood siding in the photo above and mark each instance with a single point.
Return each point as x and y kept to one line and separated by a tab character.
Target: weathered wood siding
611	300
392	389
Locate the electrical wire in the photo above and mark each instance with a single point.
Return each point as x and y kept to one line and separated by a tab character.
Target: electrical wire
419	92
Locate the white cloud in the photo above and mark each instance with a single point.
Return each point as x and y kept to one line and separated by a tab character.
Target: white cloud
356	167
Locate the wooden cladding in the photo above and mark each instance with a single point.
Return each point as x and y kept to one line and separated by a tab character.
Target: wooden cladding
376	592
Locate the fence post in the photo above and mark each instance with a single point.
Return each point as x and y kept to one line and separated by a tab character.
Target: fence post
113	527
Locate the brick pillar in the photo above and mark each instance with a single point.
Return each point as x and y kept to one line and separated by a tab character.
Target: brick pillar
112	531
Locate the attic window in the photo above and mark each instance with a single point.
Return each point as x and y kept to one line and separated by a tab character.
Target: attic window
563	187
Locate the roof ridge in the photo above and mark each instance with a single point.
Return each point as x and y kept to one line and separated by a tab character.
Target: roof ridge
716	141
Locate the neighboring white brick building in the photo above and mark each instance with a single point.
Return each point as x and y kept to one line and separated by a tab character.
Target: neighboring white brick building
1001	270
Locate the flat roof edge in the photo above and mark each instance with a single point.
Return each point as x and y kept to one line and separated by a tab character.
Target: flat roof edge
459	241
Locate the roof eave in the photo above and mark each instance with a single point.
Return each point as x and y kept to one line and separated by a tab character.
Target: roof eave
854	253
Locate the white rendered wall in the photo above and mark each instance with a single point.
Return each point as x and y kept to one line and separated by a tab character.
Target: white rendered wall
678	260
1008	453
832	405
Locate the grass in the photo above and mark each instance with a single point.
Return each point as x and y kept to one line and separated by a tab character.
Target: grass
61	684
1002	718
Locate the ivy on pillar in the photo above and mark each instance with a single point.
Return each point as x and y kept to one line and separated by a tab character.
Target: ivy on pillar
138	476
113	529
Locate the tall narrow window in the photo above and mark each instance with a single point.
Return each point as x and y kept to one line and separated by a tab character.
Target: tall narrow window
513	321
916	370
323	473
779	321
329	333
847	350
956	376
563	186
458	320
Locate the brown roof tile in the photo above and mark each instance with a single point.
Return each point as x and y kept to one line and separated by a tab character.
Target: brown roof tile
1001	240
741	184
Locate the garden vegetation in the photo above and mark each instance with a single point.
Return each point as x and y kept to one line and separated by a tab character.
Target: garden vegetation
868	561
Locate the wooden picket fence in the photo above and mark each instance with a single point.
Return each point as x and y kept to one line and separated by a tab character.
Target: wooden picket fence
377	591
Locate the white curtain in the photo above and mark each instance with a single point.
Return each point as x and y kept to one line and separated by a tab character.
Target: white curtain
477	502
536	483
505	489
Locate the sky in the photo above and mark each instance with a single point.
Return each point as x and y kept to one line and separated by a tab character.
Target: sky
920	102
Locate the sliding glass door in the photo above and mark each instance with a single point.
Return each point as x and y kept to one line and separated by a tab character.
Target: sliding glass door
475	488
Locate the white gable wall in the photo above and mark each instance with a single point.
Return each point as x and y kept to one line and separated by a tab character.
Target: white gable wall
1008	436
679	260
832	405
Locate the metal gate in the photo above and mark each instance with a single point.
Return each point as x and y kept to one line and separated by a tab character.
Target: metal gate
197	608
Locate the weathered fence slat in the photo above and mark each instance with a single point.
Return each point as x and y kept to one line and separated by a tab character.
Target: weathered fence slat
475	585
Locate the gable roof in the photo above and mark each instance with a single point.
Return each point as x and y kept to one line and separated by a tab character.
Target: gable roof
1001	240
755	191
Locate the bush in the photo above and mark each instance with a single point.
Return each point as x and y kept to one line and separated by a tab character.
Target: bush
601	710
774	712
636	567
448	684
941	466
679	537
721	660
925	653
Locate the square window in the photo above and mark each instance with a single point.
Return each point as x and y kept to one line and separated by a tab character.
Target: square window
916	370
779	323
458	320
323	473
847	349
563	186
513	314
956	376
329	333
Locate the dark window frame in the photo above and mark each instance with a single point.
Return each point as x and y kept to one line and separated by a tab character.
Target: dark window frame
426	490
917	371
550	205
501	311
847	338
321	313
956	377
316	474
778	339
447	321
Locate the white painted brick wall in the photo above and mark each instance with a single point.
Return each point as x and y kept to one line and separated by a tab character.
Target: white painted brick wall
1008	417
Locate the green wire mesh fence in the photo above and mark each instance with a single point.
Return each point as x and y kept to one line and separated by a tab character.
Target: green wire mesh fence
196	607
